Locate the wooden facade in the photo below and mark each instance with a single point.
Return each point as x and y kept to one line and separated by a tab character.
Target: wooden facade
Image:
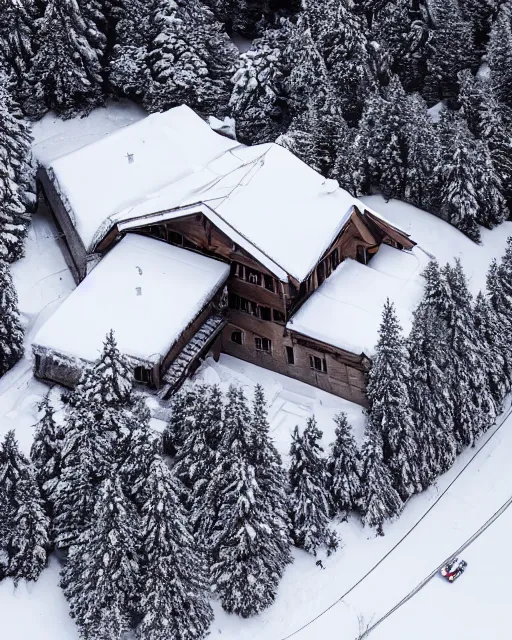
259	304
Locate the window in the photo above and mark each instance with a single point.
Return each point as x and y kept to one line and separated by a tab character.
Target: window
269	282
318	364
252	276
248	306
176	238
334	259
290	356
279	316
263	344
141	375
234	301
265	313
238	270
237	337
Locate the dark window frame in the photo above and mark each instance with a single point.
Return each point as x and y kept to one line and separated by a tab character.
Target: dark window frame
142	375
278	316
318	364
290	355
240	333
262	342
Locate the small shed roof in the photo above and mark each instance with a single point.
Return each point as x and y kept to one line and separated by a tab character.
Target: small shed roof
145	290
339	314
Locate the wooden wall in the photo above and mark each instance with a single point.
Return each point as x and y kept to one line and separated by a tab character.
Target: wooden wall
344	378
70	242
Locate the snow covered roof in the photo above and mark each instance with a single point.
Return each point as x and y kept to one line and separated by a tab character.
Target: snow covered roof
146	290
339	315
265	198
133	163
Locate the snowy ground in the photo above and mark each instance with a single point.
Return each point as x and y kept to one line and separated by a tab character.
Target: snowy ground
472	608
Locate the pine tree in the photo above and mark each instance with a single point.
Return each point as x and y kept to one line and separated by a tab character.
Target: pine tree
423	151
499	286
135	451
16	137
390	413
494	350
271	477
381	143
435	292
246	538
11	331
82	468
181	421
112	384
173	575
379	501
480	14
488	121
100	577
27	525
128	72
106	392
402	27
317	136
93	12
352	61
474	407
430	396
309	495
46	452
452	49
66	72
191	59
499	53
470	188
258	99
17	32
15	177
344	469
499	290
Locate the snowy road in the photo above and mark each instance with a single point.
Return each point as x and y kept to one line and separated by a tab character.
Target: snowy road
467	505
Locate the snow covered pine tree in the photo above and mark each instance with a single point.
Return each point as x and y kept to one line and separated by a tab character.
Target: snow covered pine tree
26	531
15	177
11	331
100	576
46	452
379	500
173	578
249	552
66	73
309	495
389	412
430	394
344	469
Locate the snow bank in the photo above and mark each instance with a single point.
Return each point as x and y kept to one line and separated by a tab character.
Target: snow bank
144	289
346	310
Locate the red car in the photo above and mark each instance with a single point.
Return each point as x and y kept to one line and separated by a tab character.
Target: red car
454	569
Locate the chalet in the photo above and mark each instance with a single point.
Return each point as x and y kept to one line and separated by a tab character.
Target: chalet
184	241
